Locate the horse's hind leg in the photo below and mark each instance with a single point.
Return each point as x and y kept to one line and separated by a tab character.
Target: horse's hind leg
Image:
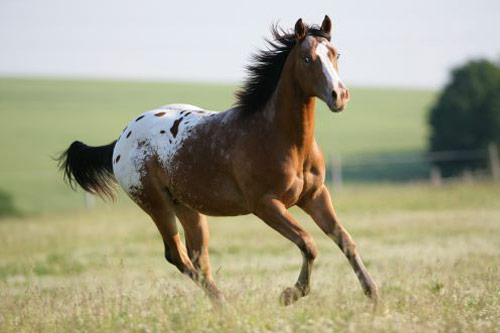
275	214
156	201
160	208
197	237
320	208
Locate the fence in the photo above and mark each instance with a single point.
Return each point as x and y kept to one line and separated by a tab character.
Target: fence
415	166
409	167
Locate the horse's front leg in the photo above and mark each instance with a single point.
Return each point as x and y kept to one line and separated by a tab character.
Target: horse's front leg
320	208
275	214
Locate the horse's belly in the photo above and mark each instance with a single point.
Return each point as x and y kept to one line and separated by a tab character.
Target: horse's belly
205	184
210	203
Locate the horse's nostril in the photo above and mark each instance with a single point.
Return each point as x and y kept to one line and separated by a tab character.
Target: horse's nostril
346	95
334	95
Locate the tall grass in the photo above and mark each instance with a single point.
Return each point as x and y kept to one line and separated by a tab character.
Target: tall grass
103	270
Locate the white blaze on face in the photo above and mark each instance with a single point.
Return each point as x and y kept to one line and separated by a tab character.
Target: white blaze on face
331	75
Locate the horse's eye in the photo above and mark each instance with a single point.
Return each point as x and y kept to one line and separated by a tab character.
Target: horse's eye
307	59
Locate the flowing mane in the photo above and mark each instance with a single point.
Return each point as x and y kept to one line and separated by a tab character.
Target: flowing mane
265	71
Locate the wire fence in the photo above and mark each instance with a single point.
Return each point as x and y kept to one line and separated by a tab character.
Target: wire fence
390	167
416	166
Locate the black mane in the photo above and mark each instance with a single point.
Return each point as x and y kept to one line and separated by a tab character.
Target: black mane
265	71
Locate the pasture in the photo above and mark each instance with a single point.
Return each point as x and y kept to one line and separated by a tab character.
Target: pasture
434	252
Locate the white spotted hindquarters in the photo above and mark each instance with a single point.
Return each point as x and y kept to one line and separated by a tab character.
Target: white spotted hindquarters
158	133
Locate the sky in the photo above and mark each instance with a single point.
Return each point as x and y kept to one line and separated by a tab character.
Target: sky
382	43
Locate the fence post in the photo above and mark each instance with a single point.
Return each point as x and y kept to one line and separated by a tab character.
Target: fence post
435	176
89	200
336	172
494	161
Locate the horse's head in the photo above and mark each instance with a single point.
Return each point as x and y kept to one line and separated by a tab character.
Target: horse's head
316	64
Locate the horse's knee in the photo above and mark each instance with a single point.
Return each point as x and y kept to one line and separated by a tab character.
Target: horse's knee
309	248
348	246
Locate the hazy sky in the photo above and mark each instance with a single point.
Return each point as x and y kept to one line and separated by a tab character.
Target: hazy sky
384	43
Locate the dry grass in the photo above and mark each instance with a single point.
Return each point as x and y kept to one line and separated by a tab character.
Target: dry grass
437	270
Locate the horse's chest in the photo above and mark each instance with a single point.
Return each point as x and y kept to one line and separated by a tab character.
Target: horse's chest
303	184
292	194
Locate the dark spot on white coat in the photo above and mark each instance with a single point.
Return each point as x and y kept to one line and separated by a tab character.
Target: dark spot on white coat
175	127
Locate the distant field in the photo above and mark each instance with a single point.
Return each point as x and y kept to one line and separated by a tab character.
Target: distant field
433	252
40	118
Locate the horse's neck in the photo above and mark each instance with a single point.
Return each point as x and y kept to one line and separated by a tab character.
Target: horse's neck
293	115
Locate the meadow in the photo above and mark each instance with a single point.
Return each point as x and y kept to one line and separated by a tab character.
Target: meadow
433	251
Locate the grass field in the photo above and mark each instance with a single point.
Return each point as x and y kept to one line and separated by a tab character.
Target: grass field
433	252
40	118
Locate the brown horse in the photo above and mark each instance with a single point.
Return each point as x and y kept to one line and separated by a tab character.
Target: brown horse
259	157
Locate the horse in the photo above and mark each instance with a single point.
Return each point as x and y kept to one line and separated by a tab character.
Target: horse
258	157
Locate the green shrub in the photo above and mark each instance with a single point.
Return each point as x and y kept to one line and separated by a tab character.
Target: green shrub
7	207
467	114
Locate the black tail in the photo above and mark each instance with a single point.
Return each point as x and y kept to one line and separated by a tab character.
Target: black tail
90	167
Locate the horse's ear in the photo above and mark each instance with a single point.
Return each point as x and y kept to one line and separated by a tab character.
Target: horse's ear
326	26
300	29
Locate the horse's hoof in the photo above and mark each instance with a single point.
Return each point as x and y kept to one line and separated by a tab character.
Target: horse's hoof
290	296
218	299
374	298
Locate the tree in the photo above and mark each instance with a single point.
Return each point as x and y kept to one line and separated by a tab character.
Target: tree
7	207
467	114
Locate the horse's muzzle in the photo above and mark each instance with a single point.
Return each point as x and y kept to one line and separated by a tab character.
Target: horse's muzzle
339	99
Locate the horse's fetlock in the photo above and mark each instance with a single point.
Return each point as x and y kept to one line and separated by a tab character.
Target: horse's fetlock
303	289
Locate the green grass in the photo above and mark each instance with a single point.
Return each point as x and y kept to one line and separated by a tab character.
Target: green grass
434	253
40	118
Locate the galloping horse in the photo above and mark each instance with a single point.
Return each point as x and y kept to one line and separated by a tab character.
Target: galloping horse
259	157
